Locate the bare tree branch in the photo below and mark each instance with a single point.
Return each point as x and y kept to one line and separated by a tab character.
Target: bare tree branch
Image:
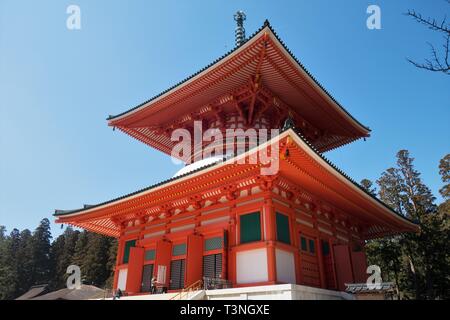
432	24
446	48
435	56
428	66
437	64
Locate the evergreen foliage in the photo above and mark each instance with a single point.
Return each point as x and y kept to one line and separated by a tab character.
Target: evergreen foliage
418	263
28	259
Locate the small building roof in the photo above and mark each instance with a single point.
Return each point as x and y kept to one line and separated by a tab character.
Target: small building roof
86	292
34	291
363	288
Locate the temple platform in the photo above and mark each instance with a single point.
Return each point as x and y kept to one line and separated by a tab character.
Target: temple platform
271	292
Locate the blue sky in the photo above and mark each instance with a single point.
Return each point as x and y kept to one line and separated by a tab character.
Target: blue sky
58	86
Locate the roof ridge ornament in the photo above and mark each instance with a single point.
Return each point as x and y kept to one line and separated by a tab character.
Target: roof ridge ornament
240	17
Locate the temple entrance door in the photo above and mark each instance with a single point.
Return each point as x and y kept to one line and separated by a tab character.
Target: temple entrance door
177	268
310	261
328	268
343	265
147	274
212	266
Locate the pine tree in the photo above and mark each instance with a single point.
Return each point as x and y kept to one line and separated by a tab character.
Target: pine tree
24	261
28	259
418	199
2	234
390	190
444	171
62	252
94	267
428	243
421	257
80	249
442	221
383	252
56	252
40	249
386	253
367	185
112	256
8	272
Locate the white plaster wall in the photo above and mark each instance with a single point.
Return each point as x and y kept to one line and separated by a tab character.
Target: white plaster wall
122	281
285	263
251	266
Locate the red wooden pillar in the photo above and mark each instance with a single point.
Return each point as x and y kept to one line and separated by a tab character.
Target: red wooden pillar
231	253
271	237
232	265
194	259
226	235
118	262
298	276
134	275
269	218
271	261
298	257
162	262
116	278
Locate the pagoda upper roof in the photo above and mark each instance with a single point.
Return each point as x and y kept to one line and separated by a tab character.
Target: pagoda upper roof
281	73
305	166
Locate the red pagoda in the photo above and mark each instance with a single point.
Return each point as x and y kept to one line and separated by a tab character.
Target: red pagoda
305	224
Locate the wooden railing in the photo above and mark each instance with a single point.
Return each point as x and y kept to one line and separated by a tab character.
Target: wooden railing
184	293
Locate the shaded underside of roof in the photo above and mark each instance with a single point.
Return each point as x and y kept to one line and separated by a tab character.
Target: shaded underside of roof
65	216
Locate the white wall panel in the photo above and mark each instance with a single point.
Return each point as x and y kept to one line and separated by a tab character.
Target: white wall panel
285	262
122	283
251	266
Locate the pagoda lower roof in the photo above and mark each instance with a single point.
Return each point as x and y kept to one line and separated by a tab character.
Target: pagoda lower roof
280	72
304	166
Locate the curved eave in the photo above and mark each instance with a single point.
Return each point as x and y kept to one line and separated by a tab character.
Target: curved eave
113	120
152	188
118	120
364	129
407	225
332	168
